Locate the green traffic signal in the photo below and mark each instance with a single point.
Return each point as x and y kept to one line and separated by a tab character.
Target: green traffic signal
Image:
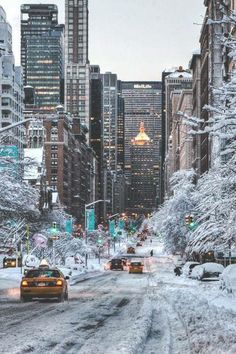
192	225
100	241
54	229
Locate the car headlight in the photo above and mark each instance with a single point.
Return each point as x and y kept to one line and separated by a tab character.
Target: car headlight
24	283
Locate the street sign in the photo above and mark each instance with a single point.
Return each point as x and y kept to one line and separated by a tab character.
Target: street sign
112	227
90	219
12	153
121	224
69	226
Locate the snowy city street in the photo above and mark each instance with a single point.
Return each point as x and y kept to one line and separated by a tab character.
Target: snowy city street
117	177
117	312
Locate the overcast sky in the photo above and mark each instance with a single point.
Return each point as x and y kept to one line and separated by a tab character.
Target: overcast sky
137	39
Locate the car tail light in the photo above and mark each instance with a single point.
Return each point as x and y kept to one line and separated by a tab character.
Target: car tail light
59	282
24	283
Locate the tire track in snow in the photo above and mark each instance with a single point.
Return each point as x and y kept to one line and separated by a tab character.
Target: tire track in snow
168	332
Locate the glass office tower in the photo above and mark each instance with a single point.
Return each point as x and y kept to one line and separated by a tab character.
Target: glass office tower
42	54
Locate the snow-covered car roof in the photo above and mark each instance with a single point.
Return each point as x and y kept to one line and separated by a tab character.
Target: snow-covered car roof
186	267
210	267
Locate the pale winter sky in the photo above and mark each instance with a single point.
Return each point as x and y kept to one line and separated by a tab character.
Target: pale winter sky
137	39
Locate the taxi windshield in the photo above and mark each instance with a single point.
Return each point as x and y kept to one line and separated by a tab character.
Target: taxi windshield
48	273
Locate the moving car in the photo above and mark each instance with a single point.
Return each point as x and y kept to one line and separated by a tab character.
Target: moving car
117	264
136	267
11	262
131	250
44	282
207	271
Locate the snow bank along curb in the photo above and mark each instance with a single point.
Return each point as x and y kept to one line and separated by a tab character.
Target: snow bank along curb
136	336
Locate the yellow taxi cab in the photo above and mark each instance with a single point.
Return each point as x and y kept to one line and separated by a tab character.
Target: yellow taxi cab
44	282
136	267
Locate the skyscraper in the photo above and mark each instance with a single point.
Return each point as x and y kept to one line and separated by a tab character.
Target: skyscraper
42	54
142	101
76	60
110	97
113	141
11	86
143	191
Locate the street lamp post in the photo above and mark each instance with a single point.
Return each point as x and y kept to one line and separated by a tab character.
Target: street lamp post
85	222
9	127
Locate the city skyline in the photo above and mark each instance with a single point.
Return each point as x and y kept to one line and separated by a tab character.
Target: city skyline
143	34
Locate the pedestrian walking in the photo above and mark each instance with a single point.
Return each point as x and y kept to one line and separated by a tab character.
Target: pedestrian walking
177	271
151	253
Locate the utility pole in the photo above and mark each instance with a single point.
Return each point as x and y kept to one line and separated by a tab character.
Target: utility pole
27	238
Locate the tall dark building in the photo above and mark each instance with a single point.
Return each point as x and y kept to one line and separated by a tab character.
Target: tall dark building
142	100
42	54
95	129
120	128
163	132
144	174
77	81
96	110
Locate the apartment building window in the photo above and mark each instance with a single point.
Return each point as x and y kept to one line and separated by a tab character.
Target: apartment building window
54	134
54	171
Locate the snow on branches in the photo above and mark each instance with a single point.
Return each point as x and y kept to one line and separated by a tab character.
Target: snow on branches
169	220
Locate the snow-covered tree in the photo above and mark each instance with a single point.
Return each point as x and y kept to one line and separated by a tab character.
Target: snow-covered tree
216	191
169	221
215	210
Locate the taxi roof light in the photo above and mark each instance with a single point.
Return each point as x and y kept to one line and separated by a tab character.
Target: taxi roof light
44	263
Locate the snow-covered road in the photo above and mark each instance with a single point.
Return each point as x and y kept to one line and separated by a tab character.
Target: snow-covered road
118	312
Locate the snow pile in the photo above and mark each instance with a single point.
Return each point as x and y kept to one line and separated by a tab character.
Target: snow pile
188	267
210	329
228	279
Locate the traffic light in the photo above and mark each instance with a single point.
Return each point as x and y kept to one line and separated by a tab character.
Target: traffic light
187	219
54	229
192	223
100	241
